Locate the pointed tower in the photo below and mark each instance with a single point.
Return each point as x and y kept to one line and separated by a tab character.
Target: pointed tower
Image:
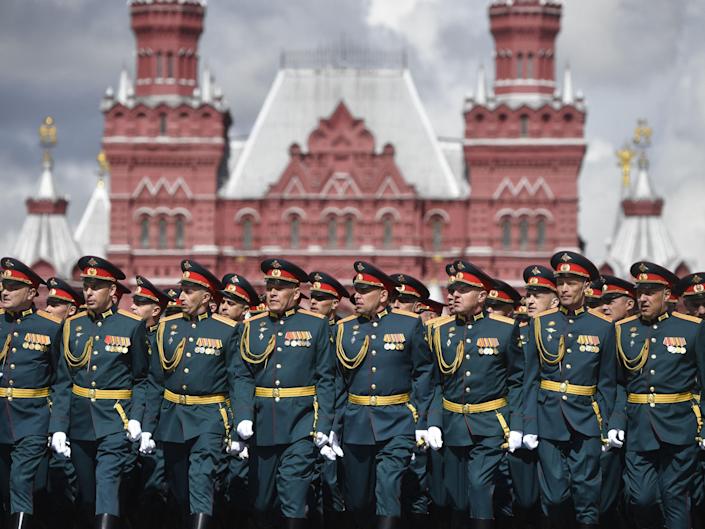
93	231
165	139
45	242
524	144
640	232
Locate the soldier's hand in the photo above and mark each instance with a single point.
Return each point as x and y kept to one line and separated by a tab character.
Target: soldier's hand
60	445
701	444
235	447
244	429
335	444
421	439
327	452
244	454
147	444
615	438
530	441
515	440
434	437
134	430
320	439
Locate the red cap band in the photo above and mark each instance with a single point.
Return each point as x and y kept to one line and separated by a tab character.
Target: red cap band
98	273
539	281
198	279
238	291
146	293
615	289
500	295
470	279
57	293
319	286
16	275
278	273
572	268
409	290
645	278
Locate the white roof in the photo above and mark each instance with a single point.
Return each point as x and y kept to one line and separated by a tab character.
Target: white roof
93	231
386	99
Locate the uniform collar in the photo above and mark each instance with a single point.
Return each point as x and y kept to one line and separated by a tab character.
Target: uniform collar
476	317
103	315
286	314
567	312
20	315
199	317
153	328
662	317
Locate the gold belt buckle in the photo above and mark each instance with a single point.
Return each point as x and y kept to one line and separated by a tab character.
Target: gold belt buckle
182	399
276	393
9	393
373	400
91	394
466	408
563	387
651	399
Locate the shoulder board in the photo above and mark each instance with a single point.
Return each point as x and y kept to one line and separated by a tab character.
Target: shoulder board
600	315
129	314
310	313
172	317
347	318
48	316
405	313
627	319
499	317
546	312
76	316
686	317
257	316
2	311
223	319
443	320
433	321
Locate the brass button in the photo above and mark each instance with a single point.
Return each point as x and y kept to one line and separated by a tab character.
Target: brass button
653	372
95	352
467	373
12	382
190	339
653	340
14	349
280	333
374	369
571	321
469	325
568	366
94	368
652	389
12	366
373	386
374	353
565	397
193	325
184	387
569	350
570	335
93	384
277	382
655	326
15	333
186	370
278	366
99	324
375	324
467	390
279	348
467	357
276	399
97	337
653	356
373	337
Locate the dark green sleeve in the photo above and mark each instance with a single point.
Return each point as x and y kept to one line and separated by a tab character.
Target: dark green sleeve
155	387
243	393
325	378
515	376
61	390
607	383
530	383
424	376
140	372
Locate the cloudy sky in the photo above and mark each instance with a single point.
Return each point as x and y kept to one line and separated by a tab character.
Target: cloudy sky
630	58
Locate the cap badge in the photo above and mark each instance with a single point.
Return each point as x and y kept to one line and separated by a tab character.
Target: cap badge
565	267
535	271
699	288
401	278
276	264
317	284
92	262
358	277
493	294
139	281
187	265
533	280
461	266
186	275
360	267
92	272
697	279
318	277
565	258
643	277
52	282
52	292
276	272
7	273
8	263
643	267
451	269
234	279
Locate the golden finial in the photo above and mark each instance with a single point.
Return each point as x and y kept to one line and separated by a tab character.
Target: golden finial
625	156
642	133
103	167
47	133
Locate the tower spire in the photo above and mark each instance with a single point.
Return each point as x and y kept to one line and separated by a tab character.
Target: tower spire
568	95
481	93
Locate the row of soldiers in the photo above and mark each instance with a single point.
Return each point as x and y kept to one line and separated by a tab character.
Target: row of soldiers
547	409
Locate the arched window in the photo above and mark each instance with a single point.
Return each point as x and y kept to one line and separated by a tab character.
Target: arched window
179	232
506	233
294	226
162	124
437	233
523	126
540	233
159	65
144	232
530	66
388	235
520	65
349	232
170	65
247	233
332	232
162	234
523	234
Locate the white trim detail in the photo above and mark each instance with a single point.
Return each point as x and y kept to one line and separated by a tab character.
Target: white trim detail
383	211
388	184
437	212
293	211
162	210
294	187
523	212
170	187
339	184
244	212
523	185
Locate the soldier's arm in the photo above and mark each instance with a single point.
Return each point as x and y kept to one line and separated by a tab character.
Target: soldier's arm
530	389
243	392
342	380
231	352
515	376
140	372
155	387
607	381
61	389
618	418
325	378
700	359
55	352
435	409
424	379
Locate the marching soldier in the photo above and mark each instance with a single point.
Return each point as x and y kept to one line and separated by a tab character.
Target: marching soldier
63	300
100	392
661	355
285	391
194	350
570	385
502	298
481	367
593	294
430	309
173	306
30	340
238	297
388	385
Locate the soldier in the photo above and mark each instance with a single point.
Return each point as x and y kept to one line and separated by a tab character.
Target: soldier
661	355
284	401
100	392
326	295
388	385
593	294
570	376
63	300
480	364
238	297
502	299
194	375
30	340
173	306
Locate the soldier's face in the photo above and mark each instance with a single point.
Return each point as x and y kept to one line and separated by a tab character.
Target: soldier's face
404	303
60	309
194	299
618	308
652	300
148	312
571	291
232	309
370	300
449	302
695	306
17	295
99	295
468	300
324	305
282	296
539	301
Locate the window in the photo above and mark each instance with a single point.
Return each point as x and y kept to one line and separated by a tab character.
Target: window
437	233
520	66
540	233
506	233
349	232
162	124
162	234
159	66
294	226
170	65
530	66
523	126
179	232
388	236
332	232
523	234
247	233
144	232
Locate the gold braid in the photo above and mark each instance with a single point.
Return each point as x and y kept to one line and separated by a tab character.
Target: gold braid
245	352
632	364
76	362
350	363
544	355
169	364
445	367
6	347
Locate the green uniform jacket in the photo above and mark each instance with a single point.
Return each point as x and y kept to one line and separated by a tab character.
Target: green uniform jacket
675	358
206	344
299	353
589	360
490	363
116	347
31	341
398	361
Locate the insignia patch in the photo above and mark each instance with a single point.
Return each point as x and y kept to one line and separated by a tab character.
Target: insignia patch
360	267
139	281
276	264
187	265
535	271
565	258
643	267
697	279
92	262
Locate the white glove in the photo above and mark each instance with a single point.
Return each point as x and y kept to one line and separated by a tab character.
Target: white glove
515	440
244	453
147	444
134	430
530	441
60	444
320	439
327	452
335	444
421	439
434	437
244	429
235	447
615	438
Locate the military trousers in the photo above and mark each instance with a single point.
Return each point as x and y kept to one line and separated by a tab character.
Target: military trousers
99	469
436	484
283	472
523	468
612	466
472	474
192	471
414	485
18	468
373	476
570	470
661	476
